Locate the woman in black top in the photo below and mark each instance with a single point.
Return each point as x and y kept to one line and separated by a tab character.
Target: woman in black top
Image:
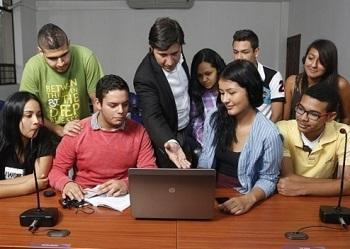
320	66
23	145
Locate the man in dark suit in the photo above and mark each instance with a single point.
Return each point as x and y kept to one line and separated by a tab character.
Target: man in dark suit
161	81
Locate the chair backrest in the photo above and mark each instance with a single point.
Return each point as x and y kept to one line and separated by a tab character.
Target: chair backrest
134	108
1	103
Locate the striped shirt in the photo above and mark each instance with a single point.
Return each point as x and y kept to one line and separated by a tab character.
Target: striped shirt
260	160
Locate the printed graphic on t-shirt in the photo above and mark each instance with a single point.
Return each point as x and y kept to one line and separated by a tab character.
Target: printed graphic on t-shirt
281	87
267	95
63	101
11	173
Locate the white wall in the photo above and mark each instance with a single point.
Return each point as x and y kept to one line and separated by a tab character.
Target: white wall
315	19
6	41
6	51
119	35
24	16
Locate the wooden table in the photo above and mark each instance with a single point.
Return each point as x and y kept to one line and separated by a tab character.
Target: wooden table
104	228
263	227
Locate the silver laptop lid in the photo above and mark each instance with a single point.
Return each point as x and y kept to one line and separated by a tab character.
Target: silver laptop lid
172	193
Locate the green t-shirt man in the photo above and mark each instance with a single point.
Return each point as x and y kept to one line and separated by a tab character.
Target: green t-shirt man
65	96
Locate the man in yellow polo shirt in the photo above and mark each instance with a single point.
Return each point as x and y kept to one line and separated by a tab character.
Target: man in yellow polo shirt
314	146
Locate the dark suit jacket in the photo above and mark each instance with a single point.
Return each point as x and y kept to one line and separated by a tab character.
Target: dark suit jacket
159	114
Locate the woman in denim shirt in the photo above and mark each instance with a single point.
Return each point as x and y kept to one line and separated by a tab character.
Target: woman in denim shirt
242	145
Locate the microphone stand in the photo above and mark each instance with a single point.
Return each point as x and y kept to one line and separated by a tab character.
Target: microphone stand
38	217
343	169
338	214
36	183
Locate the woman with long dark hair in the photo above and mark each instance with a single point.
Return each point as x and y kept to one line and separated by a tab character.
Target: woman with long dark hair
24	144
205	70
242	145
320	66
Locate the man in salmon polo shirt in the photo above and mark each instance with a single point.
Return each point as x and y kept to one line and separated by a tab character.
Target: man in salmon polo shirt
108	145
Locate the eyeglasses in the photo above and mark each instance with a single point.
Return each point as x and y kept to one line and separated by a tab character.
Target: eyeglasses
312	115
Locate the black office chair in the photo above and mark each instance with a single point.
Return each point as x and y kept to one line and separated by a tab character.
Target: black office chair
1	103
134	109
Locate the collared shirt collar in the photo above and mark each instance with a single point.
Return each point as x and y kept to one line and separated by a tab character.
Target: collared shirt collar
96	126
328	135
309	143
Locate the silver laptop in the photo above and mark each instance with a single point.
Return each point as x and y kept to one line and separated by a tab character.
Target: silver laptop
172	193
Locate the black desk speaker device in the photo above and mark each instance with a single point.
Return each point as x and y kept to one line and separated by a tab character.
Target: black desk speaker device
337	214
38	217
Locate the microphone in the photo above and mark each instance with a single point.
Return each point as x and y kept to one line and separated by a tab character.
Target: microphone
337	214
38	217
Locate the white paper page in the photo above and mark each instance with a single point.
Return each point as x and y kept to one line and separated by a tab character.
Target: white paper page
118	203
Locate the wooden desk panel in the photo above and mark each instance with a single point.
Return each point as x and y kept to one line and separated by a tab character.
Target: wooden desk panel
264	226
103	229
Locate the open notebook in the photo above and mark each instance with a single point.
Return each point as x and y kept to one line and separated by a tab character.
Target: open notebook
118	203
